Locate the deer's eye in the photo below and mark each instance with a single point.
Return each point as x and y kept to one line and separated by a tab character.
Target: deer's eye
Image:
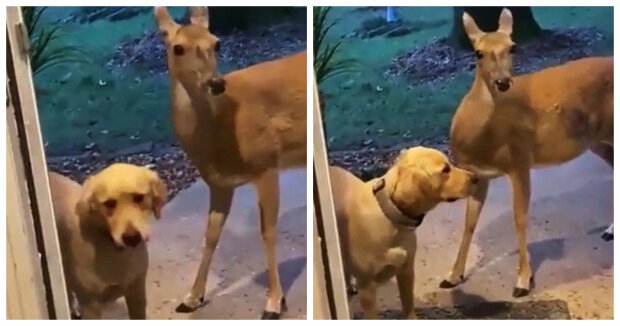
479	54
217	46
446	169
178	50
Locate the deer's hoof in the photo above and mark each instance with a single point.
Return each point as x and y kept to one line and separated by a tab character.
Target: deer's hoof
519	292
186	308
352	290
271	315
445	284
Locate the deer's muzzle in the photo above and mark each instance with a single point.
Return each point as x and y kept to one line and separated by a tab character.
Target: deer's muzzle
503	84
215	86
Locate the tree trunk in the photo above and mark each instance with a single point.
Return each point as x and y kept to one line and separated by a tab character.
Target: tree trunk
524	28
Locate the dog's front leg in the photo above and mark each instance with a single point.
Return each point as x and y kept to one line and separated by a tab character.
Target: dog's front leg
520	181
368	296
405	278
221	199
91	309
136	299
267	187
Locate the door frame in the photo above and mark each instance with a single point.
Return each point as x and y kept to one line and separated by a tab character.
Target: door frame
27	143
327	241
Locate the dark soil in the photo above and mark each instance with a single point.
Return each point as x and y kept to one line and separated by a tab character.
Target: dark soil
371	162
239	49
441	60
170	162
534	310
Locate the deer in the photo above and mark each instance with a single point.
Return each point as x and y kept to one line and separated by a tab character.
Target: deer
240	128
507	125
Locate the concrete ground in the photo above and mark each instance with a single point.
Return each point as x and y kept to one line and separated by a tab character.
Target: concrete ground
571	206
237	282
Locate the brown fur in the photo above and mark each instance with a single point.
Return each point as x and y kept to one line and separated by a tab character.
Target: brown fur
98	266
375	249
545	118
255	128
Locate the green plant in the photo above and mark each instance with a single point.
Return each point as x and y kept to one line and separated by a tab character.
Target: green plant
46	49
325	63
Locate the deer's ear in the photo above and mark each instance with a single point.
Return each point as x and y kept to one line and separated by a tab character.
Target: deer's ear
473	32
505	22
165	23
199	16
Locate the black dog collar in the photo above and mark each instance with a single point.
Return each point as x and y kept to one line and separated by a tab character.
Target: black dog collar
391	210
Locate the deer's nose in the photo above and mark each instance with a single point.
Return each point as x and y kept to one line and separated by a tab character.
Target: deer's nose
503	84
178	50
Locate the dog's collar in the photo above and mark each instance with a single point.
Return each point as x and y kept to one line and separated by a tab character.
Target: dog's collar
390	210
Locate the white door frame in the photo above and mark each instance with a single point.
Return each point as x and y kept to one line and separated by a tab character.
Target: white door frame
32	163
337	292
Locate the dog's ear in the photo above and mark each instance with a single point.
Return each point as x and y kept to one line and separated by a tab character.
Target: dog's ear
505	22
158	193
199	16
86	203
165	23
473	32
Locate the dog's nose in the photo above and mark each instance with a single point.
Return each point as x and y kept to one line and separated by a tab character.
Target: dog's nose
503	84
132	239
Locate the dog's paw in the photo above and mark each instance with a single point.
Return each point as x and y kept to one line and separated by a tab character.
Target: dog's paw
188	305
446	284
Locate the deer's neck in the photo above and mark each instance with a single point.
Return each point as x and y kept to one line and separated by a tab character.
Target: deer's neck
481	90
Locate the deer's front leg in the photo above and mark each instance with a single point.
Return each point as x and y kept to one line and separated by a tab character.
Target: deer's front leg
221	200
368	298
475	203
520	181
267	187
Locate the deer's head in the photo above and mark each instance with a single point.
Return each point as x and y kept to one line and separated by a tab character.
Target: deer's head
192	49
493	51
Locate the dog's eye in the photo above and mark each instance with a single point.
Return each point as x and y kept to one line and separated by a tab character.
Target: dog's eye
479	54
217	46
138	198
446	169
110	203
178	50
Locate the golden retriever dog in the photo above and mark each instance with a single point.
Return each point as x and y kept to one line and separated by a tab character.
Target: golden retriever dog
377	219
102	228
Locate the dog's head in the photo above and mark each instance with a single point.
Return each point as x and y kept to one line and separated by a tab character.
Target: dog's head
422	177
120	200
192	49
493	51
